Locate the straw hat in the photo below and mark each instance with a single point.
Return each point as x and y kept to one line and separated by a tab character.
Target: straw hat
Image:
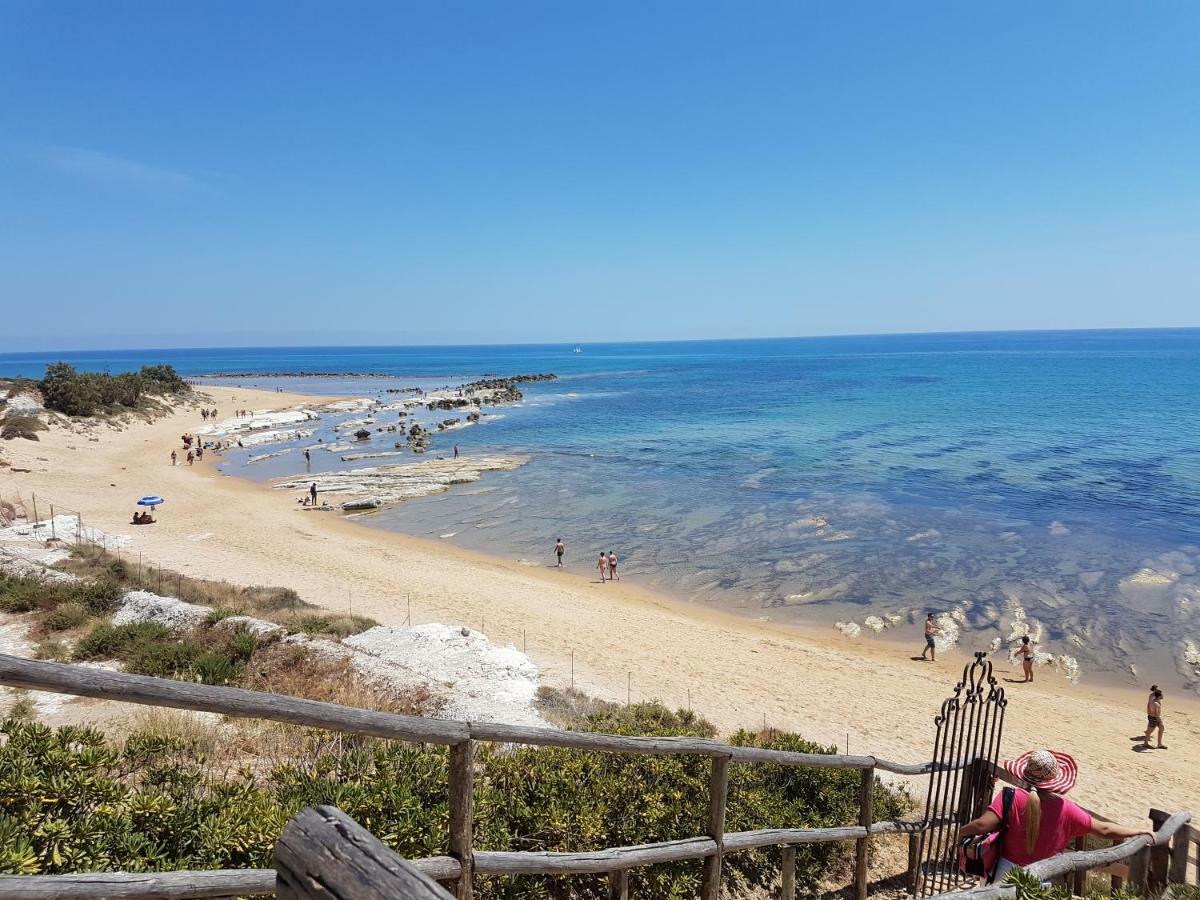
1045	769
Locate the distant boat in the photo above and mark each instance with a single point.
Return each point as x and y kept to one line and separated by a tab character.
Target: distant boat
578	349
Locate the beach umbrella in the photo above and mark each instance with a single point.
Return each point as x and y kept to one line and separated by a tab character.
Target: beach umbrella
150	501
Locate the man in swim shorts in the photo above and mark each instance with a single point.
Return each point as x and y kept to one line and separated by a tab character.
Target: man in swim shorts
931	630
1154	718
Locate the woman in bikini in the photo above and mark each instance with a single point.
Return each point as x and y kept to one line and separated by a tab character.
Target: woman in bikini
602	565
1026	654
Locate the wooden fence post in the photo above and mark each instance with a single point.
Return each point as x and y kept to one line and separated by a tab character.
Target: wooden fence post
618	884
866	814
462	792
1160	856
718	792
1117	882
323	854
914	861
1178	871
1139	871
787	879
1079	881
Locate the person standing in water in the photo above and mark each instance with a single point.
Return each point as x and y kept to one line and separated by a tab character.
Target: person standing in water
602	565
1026	654
307	456
1154	718
612	565
931	630
559	549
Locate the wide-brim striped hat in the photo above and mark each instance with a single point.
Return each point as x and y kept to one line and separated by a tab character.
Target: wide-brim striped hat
1045	769
1048	769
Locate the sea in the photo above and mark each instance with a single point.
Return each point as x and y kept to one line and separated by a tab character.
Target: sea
1041	483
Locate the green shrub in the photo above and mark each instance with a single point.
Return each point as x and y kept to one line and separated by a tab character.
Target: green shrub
116	641
330	624
77	393
68	615
74	803
99	596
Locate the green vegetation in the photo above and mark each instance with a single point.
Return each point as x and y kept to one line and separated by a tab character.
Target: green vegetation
66	390
21	595
1029	888
147	648
329	625
70	801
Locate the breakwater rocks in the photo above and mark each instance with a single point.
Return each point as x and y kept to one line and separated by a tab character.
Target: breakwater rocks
488	390
396	483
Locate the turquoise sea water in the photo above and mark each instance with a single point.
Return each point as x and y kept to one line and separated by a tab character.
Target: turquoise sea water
1049	478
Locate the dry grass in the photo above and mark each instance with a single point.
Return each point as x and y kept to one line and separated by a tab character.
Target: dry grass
300	672
194	729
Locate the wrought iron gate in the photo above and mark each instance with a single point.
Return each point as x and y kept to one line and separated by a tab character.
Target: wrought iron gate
965	748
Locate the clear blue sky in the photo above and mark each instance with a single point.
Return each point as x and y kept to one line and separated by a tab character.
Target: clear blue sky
198	173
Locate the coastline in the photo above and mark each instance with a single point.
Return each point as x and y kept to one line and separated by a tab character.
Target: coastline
619	637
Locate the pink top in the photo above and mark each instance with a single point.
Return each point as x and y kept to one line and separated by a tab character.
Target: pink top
1062	822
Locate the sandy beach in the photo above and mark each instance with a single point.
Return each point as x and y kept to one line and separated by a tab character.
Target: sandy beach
620	639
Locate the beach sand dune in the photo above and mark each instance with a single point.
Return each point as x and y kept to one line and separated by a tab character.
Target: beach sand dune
623	638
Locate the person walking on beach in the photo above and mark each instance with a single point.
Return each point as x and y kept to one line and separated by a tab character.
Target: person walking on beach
931	630
174	458
612	566
1026	653
1038	823
312	493
602	565
1154	718
559	549
191	457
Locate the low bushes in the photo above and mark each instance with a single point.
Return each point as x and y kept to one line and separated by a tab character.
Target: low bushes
26	427
147	648
329	625
69	801
66	390
21	595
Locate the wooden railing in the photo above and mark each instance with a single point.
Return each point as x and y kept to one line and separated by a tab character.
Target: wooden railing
463	861
461	737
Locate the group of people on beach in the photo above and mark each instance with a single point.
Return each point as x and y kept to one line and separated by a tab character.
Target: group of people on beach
208	414
1026	653
606	565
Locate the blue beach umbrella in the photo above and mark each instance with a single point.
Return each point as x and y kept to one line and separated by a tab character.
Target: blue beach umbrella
150	501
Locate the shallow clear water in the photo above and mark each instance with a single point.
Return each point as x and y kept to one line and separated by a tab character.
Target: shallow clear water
832	478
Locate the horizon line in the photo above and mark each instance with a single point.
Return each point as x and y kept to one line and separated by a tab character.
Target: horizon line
796	337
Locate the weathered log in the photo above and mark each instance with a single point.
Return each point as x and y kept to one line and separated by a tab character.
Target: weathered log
504	862
138	885
323	854
1046	869
67	679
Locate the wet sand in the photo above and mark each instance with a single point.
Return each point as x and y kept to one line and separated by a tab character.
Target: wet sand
623	638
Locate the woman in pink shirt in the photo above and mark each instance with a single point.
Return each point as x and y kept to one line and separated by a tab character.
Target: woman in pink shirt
1041	822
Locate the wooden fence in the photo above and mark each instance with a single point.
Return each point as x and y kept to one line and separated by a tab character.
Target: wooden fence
463	861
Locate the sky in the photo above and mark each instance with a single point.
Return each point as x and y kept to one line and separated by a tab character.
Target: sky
228	173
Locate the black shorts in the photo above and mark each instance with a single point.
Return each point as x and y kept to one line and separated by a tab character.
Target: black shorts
929	642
